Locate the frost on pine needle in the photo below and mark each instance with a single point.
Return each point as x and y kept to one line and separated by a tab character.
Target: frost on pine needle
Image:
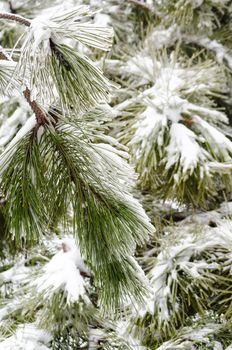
64	172
93	192
9	82
172	129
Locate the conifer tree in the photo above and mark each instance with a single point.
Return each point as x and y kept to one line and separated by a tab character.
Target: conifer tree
115	175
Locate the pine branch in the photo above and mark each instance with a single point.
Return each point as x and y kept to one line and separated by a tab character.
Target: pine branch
99	208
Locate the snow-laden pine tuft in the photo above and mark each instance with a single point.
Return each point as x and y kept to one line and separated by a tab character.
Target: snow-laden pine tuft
188	254
175	132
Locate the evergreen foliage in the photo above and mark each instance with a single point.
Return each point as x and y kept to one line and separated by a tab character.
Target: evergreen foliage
115	175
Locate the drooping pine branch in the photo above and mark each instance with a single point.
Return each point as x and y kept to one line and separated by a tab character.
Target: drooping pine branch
66	167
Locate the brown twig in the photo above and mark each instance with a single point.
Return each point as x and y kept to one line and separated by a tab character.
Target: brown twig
3	56
39	114
16	18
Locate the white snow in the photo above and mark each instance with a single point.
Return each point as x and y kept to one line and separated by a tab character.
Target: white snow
10	125
101	19
5	157
141	66
220	51
161	37
122	329
4	64
219	143
41	33
208	113
183	147
62	272
4	6
95	334
226	208
17	273
167	104
27	337
26	128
